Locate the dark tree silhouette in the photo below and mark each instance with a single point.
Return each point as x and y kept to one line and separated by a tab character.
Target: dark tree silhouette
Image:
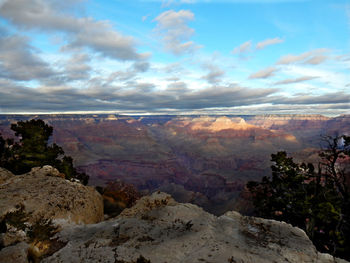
316	201
33	150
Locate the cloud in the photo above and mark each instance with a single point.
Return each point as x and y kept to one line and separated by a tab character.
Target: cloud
136	96
268	42
314	57
177	97
296	80
316	60
175	32
141	66
243	48
125	77
178	86
264	73
77	67
19	61
214	75
45	15
329	98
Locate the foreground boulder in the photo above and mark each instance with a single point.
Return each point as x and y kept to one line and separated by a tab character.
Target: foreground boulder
36	205
43	194
160	230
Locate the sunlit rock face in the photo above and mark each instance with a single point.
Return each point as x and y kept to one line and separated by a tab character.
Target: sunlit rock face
219	124
289	121
162	230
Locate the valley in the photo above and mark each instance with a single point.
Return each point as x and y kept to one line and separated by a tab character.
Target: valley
205	160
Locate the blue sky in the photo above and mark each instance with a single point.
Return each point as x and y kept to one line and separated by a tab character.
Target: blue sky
175	57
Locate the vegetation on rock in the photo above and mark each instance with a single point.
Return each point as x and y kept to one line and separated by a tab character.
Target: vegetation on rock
32	150
117	196
316	200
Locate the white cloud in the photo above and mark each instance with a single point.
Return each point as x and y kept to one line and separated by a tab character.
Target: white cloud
268	42
315	57
175	32
316	60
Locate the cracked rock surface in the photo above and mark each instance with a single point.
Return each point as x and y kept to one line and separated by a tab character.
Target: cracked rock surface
162	230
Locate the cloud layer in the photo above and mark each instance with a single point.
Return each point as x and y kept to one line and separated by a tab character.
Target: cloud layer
54	58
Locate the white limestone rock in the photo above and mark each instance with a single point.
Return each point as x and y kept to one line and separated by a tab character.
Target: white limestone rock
162	230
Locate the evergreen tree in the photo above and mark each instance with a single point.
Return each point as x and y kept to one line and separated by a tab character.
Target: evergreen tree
33	150
316	201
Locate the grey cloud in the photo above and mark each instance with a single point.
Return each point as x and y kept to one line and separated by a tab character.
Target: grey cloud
333	109
268	42
214	76
314	57
18	61
224	96
77	68
177	87
121	76
264	73
141	66
143	97
130	73
82	32
138	96
176	33
330	98
296	80
173	68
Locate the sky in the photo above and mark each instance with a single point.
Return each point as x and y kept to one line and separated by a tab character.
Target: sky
175	56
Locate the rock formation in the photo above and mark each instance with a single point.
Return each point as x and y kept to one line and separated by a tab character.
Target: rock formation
162	230
44	195
156	228
35	205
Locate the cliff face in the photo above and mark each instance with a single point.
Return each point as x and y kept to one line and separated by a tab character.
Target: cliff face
162	230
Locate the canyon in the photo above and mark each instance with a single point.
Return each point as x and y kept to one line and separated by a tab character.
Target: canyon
205	160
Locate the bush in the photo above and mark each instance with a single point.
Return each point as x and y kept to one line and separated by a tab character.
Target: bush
117	196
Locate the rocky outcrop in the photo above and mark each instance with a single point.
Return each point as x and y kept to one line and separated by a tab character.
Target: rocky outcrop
17	253
42	194
4	175
162	230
